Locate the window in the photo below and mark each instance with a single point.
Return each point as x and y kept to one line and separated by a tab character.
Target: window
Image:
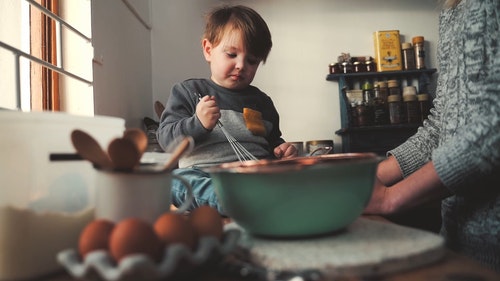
51	68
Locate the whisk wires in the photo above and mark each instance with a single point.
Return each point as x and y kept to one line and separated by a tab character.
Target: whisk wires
241	152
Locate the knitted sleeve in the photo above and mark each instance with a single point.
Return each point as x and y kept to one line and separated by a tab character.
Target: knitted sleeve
463	136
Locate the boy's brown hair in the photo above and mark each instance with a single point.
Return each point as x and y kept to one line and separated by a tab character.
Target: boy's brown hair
256	34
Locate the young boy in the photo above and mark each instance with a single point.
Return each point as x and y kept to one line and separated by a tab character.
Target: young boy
236	40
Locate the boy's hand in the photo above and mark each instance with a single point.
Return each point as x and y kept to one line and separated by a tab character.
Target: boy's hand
285	150
208	112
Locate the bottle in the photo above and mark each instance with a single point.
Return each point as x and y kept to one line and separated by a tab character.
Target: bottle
380	109
410	109
408	56
362	114
424	105
384	91
395	109
393	87
418	46
368	96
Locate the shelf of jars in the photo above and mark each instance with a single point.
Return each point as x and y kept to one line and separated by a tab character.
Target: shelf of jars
364	127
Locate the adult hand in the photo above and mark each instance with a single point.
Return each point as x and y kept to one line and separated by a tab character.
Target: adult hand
208	112
285	150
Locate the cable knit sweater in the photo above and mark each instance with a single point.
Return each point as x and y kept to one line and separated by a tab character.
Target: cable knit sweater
462	135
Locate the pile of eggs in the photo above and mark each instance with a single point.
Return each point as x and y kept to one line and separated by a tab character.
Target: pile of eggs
135	236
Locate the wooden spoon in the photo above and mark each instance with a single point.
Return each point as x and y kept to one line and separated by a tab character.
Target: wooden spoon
185	145
138	137
89	149
124	154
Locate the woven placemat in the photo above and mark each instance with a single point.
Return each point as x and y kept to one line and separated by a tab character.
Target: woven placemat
365	248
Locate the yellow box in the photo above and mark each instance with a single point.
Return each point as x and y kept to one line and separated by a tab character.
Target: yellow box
387	50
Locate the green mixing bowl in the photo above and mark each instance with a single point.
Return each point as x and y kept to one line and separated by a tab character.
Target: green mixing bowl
296	197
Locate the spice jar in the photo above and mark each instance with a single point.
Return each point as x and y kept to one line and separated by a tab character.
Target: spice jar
393	87
410	109
368	100
346	67
380	109
424	106
395	109
334	68
419	50
370	66
363	114
408	56
358	66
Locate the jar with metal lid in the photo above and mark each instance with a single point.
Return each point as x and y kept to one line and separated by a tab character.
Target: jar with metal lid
393	86
334	68
408	56
346	67
395	109
358	67
424	106
370	66
419	50
411	109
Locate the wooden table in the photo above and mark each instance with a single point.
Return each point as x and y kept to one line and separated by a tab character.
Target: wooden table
453	267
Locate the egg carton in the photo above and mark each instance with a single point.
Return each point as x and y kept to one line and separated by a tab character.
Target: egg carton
177	260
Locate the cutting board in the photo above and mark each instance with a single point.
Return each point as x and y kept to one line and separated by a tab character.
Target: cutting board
365	248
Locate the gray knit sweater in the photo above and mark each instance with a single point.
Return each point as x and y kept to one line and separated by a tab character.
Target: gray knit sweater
462	135
212	147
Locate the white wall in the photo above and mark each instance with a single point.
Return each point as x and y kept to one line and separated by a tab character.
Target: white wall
122	46
307	36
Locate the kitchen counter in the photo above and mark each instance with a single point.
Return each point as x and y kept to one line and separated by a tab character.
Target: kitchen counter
451	267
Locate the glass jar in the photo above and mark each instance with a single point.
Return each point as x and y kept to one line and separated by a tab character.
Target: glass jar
395	109
384	91
334	68
419	50
424	106
346	67
370	66
408	56
358	67
411	109
363	114
393	86
380	109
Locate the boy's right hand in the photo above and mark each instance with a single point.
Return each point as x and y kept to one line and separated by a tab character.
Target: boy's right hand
208	112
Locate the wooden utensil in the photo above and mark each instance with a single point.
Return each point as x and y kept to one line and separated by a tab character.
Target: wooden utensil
89	149
185	145
138	137
124	154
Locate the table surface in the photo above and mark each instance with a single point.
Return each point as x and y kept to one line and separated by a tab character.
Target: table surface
452	267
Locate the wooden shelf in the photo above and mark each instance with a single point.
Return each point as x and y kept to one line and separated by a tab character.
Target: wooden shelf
401	74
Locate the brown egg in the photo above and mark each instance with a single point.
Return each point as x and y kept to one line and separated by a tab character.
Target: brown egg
95	236
175	228
207	221
134	236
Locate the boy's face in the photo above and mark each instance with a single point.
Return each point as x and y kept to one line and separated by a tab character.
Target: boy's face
230	64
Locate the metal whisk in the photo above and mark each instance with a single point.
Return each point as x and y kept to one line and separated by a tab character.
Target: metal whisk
241	152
